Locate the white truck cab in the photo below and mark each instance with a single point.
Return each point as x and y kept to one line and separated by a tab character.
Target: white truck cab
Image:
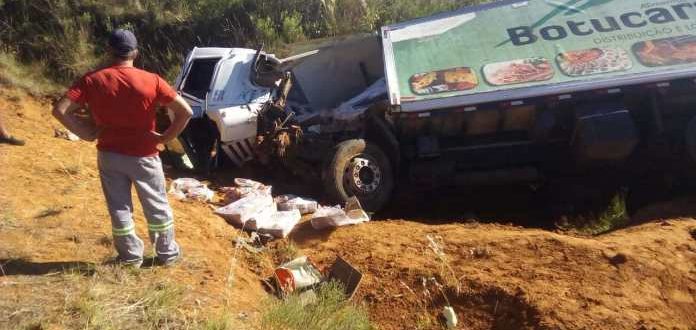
216	83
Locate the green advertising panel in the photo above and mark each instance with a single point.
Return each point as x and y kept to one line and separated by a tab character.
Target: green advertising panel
538	42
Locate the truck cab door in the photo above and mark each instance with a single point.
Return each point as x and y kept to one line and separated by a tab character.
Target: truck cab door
233	105
196	142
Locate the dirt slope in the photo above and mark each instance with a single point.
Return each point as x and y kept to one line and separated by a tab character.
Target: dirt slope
54	216
496	277
518	278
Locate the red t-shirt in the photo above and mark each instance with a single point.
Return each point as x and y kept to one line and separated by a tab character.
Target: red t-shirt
123	102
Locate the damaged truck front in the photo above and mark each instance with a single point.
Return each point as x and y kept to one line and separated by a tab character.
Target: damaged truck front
514	91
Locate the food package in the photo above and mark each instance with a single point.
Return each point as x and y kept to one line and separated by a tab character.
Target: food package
280	223
298	274
333	217
184	184
242	188
254	206
191	189
292	202
202	194
262	218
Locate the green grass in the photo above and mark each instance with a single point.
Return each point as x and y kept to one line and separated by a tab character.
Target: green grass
330	311
614	216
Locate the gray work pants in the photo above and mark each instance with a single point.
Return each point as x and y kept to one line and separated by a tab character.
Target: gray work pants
118	174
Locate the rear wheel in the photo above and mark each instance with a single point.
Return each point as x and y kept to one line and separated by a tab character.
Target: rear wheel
361	169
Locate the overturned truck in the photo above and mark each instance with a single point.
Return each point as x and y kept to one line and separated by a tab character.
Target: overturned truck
515	91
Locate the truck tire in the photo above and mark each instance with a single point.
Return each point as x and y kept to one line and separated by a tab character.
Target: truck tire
361	169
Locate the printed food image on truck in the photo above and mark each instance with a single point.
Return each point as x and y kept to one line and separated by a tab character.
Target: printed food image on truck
594	61
450	80
518	71
669	51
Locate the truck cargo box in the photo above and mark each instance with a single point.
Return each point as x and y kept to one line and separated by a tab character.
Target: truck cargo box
511	50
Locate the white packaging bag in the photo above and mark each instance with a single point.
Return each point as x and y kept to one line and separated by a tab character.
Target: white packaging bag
243	188
292	202
280	223
333	217
250	207
191	189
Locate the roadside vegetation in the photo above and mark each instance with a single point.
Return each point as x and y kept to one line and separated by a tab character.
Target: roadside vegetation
61	39
329	311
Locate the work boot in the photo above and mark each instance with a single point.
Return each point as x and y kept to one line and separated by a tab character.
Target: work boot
128	264
170	262
11	140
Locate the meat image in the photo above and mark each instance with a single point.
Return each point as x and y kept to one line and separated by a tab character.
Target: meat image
593	61
518	71
670	51
450	80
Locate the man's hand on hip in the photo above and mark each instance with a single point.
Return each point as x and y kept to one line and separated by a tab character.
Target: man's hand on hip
182	113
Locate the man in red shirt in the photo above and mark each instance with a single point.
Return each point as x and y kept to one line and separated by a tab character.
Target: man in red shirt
122	101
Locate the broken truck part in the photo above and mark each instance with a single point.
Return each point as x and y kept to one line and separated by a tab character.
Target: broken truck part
512	91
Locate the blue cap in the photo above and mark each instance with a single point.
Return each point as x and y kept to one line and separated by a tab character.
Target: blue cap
123	42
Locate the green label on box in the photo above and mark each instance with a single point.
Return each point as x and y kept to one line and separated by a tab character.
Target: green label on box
540	42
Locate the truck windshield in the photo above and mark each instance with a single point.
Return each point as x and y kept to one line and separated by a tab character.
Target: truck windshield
197	82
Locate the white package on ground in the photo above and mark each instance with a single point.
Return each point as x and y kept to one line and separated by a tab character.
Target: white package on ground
292	202
244	188
279	224
333	217
191	189
254	206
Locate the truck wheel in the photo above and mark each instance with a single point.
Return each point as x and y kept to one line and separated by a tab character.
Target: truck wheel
361	169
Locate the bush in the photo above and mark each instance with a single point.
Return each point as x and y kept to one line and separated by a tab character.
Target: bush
69	36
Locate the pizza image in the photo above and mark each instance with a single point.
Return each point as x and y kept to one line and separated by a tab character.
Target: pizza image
443	81
669	51
593	61
422	81
518	71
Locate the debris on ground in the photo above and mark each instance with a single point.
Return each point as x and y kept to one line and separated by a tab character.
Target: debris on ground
450	317
335	216
292	202
303	276
252	244
254	206
297	274
251	206
62	133
188	189
243	188
280	223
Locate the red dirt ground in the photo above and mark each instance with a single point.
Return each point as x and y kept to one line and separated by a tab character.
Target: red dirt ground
495	276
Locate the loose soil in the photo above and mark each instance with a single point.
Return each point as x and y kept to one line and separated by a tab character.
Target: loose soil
495	276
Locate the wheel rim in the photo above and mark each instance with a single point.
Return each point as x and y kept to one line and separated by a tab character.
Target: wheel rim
363	175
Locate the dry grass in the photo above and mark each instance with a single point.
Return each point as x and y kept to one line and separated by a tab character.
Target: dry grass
7	217
30	78
48	212
285	251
